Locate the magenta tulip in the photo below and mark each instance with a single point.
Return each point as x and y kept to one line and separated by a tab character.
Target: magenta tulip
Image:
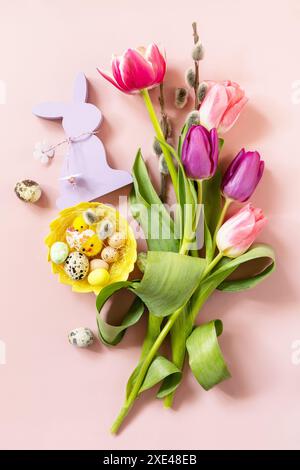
137	69
200	151
242	176
238	233
222	105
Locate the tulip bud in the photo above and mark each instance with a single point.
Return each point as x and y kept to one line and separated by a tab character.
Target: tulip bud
181	97
190	77
198	52
162	166
200	152
238	233
192	119
201	92
242	176
156	147
141	261
137	69
222	105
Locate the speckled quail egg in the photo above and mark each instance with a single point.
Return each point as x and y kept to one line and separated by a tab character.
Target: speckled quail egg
76	266
28	191
117	240
81	337
109	254
105	229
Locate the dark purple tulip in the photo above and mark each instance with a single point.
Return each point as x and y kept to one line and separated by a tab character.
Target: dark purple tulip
200	151
242	176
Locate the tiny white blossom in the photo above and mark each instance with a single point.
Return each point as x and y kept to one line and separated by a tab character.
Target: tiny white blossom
43	152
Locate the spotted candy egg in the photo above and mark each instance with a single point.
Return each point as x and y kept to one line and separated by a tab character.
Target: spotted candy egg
81	337
76	266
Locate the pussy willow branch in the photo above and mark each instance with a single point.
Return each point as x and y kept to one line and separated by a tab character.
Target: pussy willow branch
164	119
196	66
160	137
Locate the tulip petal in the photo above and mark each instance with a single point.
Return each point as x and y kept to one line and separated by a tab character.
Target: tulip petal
214	143
213	106
157	60
238	233
110	79
115	66
242	176
136	72
232	168
231	115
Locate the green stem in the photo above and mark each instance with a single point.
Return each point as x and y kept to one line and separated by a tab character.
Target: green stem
168	401
211	265
200	191
143	370
227	203
161	137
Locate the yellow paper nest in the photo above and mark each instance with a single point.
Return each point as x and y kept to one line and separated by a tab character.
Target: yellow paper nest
119	271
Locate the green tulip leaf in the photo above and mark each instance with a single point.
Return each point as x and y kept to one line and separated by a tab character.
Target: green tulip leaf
205	356
211	200
153	330
162	291
169	281
226	267
150	212
208	241
258	251
187	207
179	334
111	334
159	369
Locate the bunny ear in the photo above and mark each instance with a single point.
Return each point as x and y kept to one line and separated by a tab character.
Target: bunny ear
80	88
49	110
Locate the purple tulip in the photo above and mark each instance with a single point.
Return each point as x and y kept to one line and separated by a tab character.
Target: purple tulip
200	151
242	176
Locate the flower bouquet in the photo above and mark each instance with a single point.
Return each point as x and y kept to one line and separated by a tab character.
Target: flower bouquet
195	248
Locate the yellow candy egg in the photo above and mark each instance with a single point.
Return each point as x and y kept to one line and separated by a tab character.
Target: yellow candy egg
79	224
92	246
98	263
117	240
98	277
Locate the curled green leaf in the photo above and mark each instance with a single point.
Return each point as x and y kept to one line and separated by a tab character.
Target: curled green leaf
159	369
111	334
169	281
258	251
205	356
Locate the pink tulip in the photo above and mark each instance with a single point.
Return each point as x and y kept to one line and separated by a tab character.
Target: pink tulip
238	233
137	69
222	105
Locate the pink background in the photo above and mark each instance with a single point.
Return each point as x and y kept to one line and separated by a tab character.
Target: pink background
55	396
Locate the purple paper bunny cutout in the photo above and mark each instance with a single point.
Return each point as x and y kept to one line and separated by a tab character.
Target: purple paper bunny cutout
85	162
